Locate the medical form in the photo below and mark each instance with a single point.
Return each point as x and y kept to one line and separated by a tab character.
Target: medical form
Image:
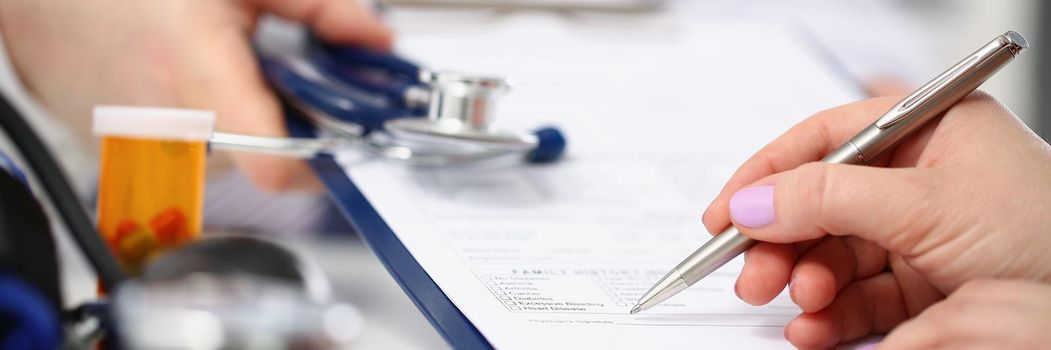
659	111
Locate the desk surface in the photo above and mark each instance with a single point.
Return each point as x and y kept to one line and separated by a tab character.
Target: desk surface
391	320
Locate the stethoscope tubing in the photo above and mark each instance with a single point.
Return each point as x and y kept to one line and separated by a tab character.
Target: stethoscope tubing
353	92
343	101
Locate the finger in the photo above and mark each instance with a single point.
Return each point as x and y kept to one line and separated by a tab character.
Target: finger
337	21
911	151
228	81
921	294
804	246
871	259
913	334
816	198
806	142
766	270
886	85
258	113
1015	295
1019	309
821	273
868	306
825	269
964	319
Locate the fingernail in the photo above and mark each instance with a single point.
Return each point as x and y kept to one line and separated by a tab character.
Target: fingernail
867	346
753	207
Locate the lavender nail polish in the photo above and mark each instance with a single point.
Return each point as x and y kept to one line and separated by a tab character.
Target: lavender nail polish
753	207
867	346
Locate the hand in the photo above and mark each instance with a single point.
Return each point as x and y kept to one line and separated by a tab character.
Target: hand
981	314
865	248
180	53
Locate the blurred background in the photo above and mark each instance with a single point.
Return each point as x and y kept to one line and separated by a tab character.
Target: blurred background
951	27
884	45
912	40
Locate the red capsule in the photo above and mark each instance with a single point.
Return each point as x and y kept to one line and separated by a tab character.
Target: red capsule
169	227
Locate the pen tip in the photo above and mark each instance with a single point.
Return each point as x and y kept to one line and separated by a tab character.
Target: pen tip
636	309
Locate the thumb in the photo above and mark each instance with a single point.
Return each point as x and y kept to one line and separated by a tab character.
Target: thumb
891	207
337	21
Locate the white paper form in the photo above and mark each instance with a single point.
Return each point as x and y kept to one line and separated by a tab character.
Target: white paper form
658	112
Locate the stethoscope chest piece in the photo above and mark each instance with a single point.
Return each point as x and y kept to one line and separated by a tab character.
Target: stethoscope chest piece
460	120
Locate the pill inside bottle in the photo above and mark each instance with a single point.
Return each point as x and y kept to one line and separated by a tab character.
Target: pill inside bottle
151	181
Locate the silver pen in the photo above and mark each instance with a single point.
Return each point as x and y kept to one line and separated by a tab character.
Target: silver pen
906	117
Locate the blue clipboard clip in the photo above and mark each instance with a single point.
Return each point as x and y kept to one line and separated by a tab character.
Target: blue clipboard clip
433	303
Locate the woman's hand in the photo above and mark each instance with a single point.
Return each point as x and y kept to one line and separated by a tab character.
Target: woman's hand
981	314
864	249
179	53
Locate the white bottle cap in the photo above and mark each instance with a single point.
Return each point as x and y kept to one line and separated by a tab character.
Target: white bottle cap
154	123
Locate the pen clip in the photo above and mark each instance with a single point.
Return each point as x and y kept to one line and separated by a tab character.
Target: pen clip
899	112
1009	43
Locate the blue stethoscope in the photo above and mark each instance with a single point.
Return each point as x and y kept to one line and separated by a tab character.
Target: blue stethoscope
393	107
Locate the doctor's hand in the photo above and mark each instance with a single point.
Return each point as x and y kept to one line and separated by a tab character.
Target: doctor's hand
180	53
863	249
981	314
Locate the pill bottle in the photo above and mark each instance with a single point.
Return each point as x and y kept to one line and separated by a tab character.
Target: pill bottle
151	180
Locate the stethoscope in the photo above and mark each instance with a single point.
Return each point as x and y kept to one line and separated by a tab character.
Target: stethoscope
391	107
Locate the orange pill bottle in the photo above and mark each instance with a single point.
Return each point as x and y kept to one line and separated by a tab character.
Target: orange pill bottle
151	181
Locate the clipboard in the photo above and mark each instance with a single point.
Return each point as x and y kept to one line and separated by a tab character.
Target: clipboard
458	331
446	318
